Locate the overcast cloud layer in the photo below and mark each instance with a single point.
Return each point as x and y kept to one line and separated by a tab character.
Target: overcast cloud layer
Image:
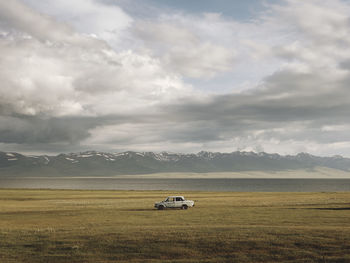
78	75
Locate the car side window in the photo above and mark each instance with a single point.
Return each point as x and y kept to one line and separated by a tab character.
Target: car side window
179	199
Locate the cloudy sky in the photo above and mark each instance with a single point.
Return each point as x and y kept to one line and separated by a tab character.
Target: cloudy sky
180	76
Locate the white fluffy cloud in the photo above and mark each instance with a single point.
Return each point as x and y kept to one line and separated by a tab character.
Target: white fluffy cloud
88	75
50	69
183	48
89	17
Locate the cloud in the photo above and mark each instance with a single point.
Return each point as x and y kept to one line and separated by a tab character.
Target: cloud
182	47
32	130
17	16
56	81
65	87
55	71
107	22
287	111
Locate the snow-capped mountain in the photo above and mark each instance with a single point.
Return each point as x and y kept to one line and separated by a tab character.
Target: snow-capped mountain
93	163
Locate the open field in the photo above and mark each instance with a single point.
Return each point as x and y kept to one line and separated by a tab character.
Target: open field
122	226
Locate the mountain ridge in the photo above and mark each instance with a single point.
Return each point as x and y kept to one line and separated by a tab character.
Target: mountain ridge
95	163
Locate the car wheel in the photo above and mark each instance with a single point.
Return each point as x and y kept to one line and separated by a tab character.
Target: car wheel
184	207
160	207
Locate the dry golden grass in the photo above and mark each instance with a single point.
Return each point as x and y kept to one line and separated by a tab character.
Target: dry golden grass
123	226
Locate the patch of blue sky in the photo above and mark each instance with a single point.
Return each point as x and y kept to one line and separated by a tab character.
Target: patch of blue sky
236	9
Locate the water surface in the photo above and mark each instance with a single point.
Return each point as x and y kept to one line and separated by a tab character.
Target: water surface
235	185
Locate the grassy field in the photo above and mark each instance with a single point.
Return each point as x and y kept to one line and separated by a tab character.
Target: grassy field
122	226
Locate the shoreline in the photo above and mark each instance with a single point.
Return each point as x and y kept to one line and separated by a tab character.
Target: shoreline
317	173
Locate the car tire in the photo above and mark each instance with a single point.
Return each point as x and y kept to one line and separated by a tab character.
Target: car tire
160	207
184	207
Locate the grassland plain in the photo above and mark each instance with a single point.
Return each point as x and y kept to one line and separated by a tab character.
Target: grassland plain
122	226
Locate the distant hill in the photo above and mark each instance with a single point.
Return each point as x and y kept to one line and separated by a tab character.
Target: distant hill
94	163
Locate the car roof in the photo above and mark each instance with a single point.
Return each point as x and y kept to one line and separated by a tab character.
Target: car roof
176	196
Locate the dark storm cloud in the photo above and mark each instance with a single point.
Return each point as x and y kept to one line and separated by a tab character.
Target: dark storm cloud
35	130
22	129
286	112
306	101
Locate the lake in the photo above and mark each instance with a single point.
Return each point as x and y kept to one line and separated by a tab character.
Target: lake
234	185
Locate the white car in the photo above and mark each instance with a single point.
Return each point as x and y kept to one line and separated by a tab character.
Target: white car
174	202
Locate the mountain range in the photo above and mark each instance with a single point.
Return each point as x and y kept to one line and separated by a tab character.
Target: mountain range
93	163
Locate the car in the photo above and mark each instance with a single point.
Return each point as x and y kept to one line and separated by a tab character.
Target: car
174	202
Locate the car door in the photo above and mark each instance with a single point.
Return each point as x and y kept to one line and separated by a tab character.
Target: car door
170	202
178	202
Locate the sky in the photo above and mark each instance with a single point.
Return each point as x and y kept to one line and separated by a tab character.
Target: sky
179	76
